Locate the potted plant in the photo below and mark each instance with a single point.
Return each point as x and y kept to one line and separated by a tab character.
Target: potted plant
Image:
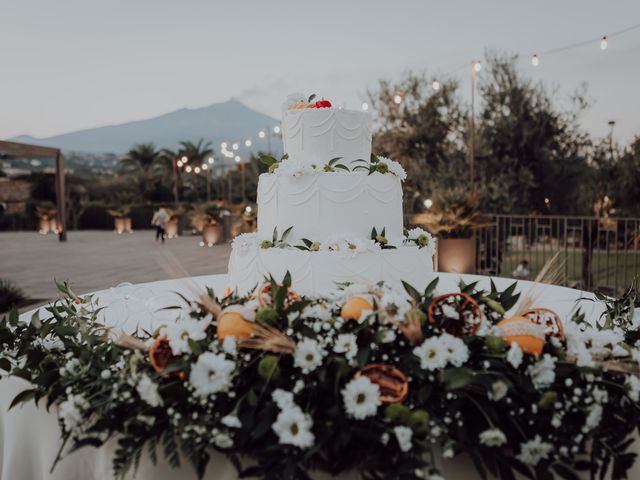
242	219
206	218
47	216
121	218
454	218
173	225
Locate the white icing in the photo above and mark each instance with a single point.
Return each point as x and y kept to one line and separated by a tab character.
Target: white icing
315	136
319	206
318	272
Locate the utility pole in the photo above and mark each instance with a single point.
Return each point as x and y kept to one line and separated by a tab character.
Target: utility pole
475	68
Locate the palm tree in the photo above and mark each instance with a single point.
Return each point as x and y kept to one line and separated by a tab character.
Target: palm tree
197	154
170	171
140	161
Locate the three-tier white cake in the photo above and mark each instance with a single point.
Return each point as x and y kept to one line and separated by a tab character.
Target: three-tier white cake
330	194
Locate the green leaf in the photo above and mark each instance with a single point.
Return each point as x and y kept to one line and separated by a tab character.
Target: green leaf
286	233
307	242
275	234
374	158
413	293
286	281
35	319
268	160
334	160
5	364
311	98
357	167
342	167
23	396
195	347
363	356
456	378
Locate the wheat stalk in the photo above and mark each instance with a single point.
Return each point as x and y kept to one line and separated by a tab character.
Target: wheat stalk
551	273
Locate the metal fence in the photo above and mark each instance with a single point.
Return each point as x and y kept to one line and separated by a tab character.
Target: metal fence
599	253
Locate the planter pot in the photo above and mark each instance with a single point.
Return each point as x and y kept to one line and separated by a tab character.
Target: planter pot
119	225
171	229
456	255
212	234
53	225
44	226
127	225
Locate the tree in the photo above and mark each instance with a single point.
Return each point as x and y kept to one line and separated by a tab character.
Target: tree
139	162
197	154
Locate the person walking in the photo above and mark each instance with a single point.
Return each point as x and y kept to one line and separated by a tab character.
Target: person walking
159	220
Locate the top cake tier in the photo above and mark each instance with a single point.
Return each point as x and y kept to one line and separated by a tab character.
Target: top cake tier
315	136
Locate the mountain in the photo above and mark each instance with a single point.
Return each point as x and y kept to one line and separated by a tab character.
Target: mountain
226	121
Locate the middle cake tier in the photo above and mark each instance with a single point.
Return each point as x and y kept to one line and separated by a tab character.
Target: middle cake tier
325	204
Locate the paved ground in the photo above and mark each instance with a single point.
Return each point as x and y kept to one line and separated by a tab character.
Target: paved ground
94	260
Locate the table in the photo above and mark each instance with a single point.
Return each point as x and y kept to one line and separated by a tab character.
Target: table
30	436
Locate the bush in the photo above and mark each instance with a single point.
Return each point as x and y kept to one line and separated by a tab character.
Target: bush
10	295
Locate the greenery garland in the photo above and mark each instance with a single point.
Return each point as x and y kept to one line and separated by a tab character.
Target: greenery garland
369	379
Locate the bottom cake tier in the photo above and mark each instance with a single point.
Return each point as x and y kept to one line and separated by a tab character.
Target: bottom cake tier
318	272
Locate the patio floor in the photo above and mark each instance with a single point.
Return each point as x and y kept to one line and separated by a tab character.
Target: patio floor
94	260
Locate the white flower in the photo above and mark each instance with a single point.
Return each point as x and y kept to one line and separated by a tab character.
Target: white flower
293	427
403	435
422	238
346	343
394	168
543	372
498	390
635	319
514	355
458	353
395	303
231	421
308	355
148	391
70	412
492	437
293	168
211	374
179	333
633	386
387	335
230	345
361	398
533	451
432	354
282	398
594	417
244	242
317	311
222	440
449	311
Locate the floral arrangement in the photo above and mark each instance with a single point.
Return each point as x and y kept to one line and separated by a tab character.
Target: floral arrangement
336	243
375	164
371	378
298	101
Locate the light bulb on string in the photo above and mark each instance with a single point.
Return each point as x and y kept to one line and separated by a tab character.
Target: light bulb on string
184	159
604	43
204	166
261	134
435	85
397	99
235	146
247	143
179	163
223	145
238	159
211	160
188	169
196	170
365	106
276	129
477	66
535	61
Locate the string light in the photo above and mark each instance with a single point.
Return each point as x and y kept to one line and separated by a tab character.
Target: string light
179	163
211	160
435	85
235	146
247	142
397	99
196	170
535	61
604	43
223	145
248	209
188	169
261	134
477	66
185	159
276	129
428	203
204	166
238	159
365	106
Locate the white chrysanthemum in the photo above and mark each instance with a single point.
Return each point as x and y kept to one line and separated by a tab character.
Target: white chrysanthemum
346	343
293	168
293	427
231	421
635	319
498	390
395	303
70	412
515	355
361	398
179	333
394	167
633	387
148	391
492	437
533	451
230	345
211	374
432	354
244	242
222	440
317	311
387	335
361	245
335	243
404	436
594	417
282	398
308	355
543	372
422	238
449	311
457	350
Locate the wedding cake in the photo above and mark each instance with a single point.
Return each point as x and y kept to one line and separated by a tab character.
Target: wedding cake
330	212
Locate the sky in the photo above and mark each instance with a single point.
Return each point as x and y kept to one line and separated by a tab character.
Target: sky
71	64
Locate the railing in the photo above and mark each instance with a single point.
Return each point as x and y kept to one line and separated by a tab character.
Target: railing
598	253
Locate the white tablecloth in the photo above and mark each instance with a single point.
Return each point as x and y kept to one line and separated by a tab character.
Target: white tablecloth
30	436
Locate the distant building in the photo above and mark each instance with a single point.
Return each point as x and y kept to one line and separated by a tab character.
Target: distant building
14	195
